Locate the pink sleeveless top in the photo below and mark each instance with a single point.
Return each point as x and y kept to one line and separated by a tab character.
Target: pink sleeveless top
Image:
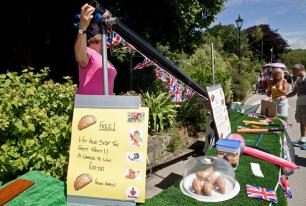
91	76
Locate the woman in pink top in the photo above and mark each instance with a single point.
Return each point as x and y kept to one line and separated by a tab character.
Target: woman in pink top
87	51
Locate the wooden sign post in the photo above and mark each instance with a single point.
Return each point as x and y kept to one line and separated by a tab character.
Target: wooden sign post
107	162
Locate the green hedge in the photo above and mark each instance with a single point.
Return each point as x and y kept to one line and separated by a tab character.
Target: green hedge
35	121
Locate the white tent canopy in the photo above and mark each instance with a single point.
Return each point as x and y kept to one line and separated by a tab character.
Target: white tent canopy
276	65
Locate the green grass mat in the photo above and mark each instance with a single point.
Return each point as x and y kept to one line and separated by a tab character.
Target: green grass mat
270	142
49	191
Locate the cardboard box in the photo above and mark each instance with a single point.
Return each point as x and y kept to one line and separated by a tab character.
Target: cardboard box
268	108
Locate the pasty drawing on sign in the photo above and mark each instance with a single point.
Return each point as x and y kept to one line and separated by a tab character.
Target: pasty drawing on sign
212	98
86	121
82	180
136	117
132	174
136	137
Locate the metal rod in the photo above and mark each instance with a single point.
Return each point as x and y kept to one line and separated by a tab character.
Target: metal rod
104	59
212	61
239	65
155	56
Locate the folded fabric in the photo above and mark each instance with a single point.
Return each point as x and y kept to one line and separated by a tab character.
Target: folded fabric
261	193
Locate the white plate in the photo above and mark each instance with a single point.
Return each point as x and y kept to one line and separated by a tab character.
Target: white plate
230	191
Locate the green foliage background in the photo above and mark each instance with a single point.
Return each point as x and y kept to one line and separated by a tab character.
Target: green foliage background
198	67
35	121
162	111
294	57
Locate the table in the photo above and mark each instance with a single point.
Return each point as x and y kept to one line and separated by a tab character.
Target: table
271	142
50	191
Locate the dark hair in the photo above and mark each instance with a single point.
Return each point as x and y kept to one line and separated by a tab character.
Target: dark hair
93	29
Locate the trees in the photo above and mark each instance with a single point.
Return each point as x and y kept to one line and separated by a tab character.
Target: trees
225	37
178	23
293	57
263	38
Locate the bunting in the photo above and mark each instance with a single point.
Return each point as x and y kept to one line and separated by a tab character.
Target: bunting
172	83
146	63
176	94
178	91
114	39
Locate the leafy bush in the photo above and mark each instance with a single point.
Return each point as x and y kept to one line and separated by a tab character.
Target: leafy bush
162	111
244	82
193	114
198	67
35	122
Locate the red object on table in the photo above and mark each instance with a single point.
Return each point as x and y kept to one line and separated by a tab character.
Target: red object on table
14	189
263	155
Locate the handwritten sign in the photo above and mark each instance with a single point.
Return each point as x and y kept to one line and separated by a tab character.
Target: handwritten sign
108	154
219	110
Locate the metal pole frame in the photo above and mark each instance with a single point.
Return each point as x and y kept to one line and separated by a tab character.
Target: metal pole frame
239	37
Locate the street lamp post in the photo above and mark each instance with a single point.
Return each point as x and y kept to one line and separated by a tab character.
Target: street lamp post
239	22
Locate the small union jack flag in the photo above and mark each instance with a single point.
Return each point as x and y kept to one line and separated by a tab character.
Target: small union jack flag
160	74
146	63
114	39
261	193
172	83
188	92
284	185
177	95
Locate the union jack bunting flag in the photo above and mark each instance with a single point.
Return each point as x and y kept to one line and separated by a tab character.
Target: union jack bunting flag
261	193
177	95
160	74
188	92
172	83
114	39
146	63
284	185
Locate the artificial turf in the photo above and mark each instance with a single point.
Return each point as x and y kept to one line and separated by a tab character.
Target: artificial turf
270	142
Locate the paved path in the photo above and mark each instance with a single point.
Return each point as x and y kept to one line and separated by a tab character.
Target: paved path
166	176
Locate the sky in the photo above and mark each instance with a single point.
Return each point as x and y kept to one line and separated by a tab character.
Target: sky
288	17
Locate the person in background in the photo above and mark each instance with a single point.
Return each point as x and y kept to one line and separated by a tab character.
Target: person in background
278	88
259	83
288	77
87	51
300	90
263	80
